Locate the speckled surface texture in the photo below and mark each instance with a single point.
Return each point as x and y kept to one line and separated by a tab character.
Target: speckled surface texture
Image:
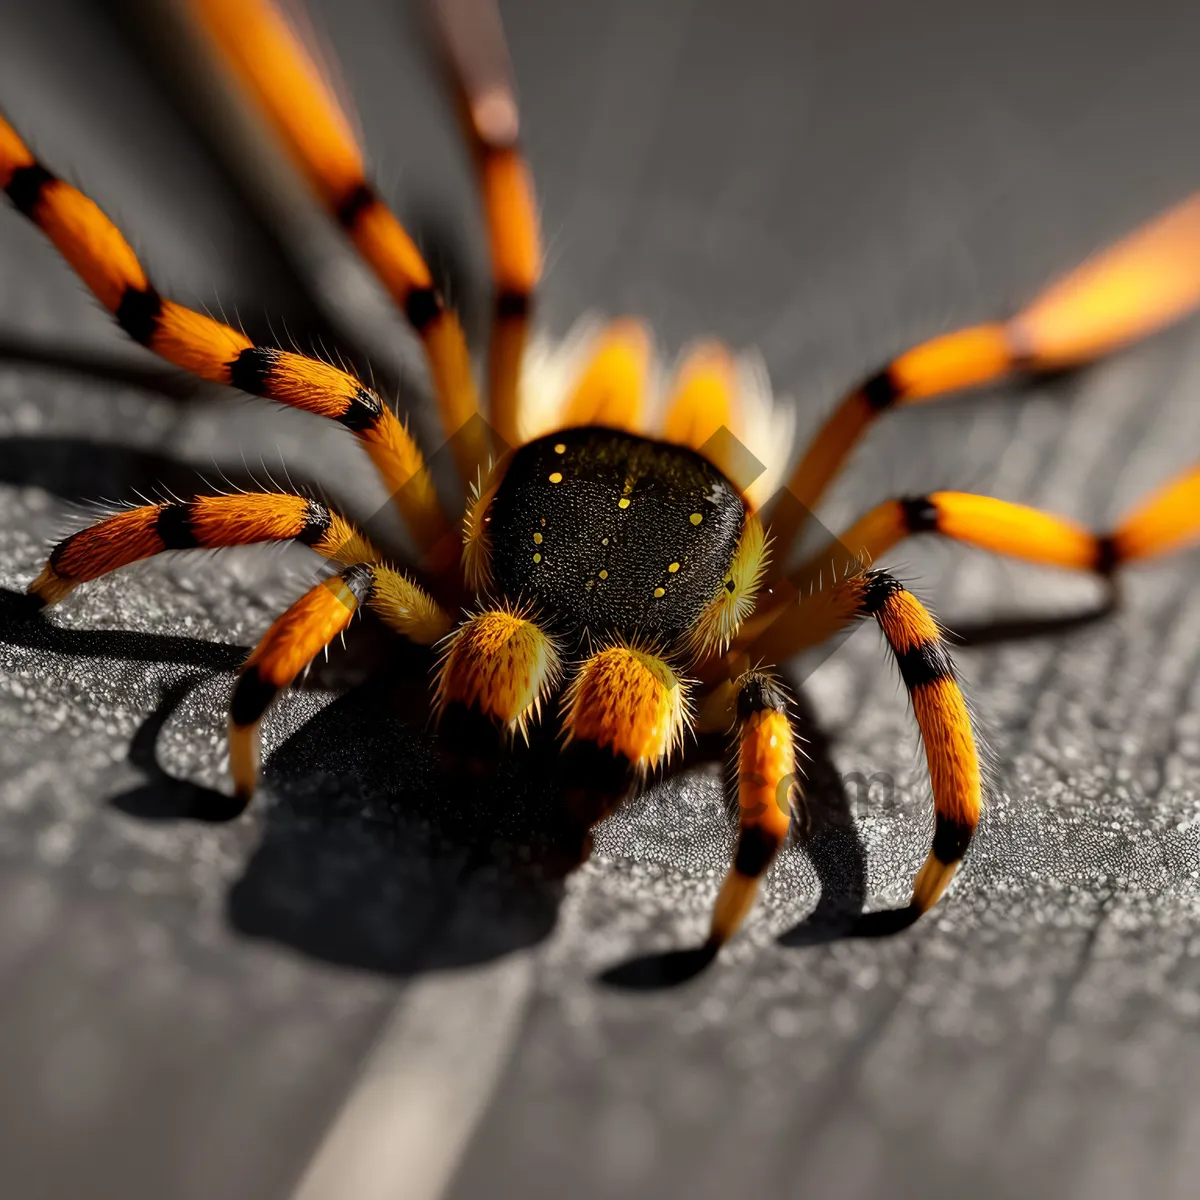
184	1004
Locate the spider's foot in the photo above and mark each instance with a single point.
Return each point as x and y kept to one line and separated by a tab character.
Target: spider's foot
49	588
244	755
932	880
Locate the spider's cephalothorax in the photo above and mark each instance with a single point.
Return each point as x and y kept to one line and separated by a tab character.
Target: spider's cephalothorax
608	533
613	558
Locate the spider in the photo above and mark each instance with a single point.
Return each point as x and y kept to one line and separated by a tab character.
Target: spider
627	563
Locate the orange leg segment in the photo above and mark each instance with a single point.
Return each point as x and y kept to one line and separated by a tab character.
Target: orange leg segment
768	787
277	70
1143	283
478	59
207	522
1168	520
291	643
928	673
104	260
296	638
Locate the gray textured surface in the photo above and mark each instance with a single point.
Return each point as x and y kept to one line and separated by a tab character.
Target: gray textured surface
184	1005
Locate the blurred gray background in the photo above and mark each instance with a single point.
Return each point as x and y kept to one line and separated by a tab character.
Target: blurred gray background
187	1009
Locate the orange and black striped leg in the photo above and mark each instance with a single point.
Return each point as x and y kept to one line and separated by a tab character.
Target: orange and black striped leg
1144	282
768	788
928	673
207	522
212	522
1015	530
296	637
478	60
1166	521
624	713
291	643
498	669
103	259
277	70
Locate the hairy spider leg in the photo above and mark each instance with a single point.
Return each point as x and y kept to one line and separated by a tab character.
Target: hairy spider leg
768	787
306	628
927	670
1142	283
205	522
292	642
242	519
212	522
104	260
477	56
277	70
1166	521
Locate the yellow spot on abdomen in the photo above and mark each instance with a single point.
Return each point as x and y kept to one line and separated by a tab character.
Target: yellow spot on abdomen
537	558
537	537
556	477
695	518
673	568
603	574
623	502
560	448
658	592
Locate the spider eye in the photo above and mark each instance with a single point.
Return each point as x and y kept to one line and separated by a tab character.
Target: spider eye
729	585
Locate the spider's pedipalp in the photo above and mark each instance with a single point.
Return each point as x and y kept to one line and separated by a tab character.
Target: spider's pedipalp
624	712
768	783
256	41
629	701
501	664
207	522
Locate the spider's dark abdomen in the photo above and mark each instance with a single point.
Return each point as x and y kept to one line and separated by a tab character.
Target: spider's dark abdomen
614	533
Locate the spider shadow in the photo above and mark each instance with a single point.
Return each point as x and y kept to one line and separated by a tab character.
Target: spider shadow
829	836
164	797
370	855
25	350
79	470
374	855
22	625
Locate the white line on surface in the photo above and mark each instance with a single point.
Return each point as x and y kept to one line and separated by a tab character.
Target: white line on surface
424	1086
